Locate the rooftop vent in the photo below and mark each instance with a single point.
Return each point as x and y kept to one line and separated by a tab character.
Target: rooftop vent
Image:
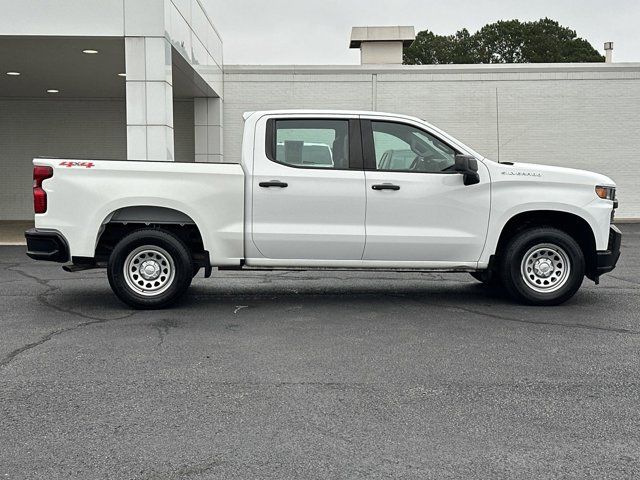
381	45
608	50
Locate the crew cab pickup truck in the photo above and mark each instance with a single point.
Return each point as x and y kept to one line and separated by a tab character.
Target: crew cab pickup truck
315	190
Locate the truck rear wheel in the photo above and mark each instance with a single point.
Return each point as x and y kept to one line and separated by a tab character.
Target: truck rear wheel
542	266
150	269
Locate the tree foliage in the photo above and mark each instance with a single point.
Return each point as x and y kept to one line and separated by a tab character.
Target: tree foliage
505	41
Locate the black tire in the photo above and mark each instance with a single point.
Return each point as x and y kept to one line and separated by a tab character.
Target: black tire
542	266
167	259
489	277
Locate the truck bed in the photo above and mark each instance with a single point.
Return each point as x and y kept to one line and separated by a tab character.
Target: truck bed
83	195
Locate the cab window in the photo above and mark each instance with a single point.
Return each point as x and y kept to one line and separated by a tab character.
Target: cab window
404	148
322	144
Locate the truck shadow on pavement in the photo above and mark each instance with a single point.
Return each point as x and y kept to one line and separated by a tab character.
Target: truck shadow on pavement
50	303
87	295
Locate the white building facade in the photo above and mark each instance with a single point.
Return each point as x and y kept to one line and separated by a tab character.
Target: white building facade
583	116
157	89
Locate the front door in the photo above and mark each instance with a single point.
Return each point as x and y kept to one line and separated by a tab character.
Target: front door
418	208
308	190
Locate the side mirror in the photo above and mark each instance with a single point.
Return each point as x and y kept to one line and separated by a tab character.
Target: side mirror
468	167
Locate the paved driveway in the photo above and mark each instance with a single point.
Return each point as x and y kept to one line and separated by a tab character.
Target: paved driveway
317	375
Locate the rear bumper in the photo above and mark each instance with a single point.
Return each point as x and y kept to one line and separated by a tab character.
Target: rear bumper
49	245
606	260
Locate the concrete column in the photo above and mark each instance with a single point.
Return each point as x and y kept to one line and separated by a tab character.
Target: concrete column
149	82
149	99
208	129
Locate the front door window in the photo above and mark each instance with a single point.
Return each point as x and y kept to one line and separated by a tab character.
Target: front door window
404	148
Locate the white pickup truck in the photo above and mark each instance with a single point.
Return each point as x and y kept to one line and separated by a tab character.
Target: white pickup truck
327	190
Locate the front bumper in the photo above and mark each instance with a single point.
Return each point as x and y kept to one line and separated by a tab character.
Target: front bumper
606	260
49	245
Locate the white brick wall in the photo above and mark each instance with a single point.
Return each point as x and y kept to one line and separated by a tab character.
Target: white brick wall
580	116
577	116
56	128
66	128
183	133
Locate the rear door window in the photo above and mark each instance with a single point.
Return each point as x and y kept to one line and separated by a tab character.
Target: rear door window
308	143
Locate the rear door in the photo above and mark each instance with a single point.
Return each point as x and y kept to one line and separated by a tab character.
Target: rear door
418	208
309	189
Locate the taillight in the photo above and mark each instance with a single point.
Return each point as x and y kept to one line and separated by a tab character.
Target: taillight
40	174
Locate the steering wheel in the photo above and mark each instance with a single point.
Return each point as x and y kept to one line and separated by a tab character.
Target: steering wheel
426	163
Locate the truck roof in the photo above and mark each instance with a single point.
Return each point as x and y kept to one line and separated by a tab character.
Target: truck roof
305	111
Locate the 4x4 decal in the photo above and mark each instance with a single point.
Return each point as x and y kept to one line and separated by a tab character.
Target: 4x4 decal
76	164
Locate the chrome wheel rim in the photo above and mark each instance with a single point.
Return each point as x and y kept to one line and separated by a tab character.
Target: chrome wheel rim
545	268
149	270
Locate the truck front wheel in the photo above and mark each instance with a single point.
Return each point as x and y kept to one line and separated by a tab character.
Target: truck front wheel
150	269
542	266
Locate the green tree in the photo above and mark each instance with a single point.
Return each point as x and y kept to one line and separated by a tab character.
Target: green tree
505	41
429	48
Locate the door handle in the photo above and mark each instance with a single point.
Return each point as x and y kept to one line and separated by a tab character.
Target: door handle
273	183
386	186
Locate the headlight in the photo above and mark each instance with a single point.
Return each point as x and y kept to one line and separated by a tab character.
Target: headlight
606	193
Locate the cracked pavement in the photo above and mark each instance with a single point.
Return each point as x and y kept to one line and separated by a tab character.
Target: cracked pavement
317	375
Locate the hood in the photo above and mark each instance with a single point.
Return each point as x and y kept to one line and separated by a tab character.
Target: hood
548	173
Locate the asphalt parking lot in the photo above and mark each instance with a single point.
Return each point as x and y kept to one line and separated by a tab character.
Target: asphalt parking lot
317	375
